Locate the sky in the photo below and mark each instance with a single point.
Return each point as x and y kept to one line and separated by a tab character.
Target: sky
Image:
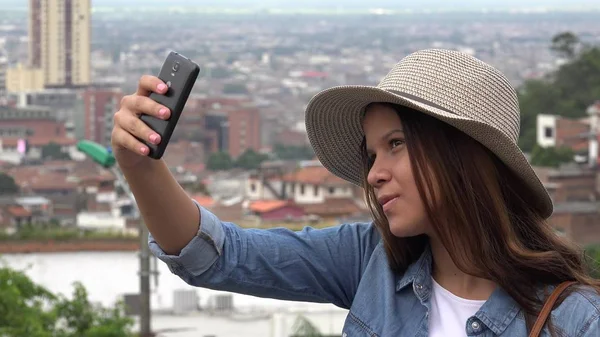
347	4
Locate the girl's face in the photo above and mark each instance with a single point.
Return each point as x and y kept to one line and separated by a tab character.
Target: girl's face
391	174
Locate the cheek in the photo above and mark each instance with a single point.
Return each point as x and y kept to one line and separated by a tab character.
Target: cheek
403	174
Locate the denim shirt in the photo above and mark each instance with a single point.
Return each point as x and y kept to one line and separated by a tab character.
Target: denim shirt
347	265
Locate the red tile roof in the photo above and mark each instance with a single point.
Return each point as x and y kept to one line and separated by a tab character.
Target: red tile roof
263	206
18	211
314	175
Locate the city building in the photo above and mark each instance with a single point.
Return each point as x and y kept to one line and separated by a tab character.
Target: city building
99	106
581	135
244	130
59	46
24	131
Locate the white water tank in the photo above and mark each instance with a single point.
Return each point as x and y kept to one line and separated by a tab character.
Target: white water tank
221	303
185	301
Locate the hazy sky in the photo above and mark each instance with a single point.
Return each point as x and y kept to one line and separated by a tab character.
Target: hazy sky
395	4
373	3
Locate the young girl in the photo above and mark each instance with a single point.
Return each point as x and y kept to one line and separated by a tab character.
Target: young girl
459	244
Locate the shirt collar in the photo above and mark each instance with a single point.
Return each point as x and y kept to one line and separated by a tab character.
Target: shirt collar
418	272
496	313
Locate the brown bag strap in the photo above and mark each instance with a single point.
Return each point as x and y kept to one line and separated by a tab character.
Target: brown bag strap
547	308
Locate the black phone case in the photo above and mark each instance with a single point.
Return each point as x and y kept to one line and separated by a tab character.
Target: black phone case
180	74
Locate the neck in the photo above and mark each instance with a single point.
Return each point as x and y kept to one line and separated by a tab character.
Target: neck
461	284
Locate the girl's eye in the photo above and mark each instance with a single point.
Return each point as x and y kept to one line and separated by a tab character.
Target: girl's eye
396	142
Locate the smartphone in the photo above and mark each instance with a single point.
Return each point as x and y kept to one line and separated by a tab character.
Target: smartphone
179	73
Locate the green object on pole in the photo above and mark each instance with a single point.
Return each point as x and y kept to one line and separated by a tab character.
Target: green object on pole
97	152
104	157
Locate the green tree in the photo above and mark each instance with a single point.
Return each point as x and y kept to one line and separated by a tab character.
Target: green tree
8	185
30	310
565	44
219	161
54	151
250	160
566	92
235	89
305	328
293	152
551	156
593	260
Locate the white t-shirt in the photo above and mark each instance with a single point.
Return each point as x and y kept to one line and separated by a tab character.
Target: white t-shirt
449	313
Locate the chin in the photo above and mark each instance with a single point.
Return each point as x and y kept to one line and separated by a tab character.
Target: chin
404	228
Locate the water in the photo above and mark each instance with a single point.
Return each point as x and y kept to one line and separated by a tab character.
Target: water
109	275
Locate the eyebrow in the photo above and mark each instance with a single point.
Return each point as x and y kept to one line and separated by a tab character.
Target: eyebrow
387	135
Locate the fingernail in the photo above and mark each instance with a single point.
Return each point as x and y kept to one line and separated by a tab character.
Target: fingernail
143	150
161	87
154	138
163	112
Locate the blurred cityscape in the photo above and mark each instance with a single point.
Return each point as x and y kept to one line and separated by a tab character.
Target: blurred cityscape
240	148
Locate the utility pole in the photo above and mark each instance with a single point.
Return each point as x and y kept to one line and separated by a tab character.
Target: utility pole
105	158
594	113
145	314
145	271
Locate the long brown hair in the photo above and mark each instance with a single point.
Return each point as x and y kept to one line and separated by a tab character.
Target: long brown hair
480	213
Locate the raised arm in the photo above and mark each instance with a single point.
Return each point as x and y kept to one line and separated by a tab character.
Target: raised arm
314	265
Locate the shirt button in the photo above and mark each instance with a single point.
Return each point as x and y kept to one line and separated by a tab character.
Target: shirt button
475	325
419	286
344	335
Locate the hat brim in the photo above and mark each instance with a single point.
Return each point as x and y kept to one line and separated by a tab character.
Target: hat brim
333	124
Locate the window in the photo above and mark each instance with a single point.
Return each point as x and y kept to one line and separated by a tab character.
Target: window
253	187
332	190
548	132
302	189
316	188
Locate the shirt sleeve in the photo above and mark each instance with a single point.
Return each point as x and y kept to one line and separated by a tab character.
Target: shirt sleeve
200	253
314	265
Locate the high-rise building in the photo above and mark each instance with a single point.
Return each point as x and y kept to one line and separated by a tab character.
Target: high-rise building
99	105
244	130
60	41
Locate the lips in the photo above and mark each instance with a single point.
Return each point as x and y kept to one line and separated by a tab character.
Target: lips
387	201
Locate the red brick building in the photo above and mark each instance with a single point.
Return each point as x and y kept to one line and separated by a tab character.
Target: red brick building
577	204
230	124
38	126
100	105
23	122
244	130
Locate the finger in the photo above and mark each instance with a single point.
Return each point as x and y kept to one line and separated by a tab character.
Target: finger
144	105
136	127
150	84
125	140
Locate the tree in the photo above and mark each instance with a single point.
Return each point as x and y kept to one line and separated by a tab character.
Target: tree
8	185
564	44
593	260
551	156
566	92
293	152
235	89
219	161
250	160
30	310
305	328
55	152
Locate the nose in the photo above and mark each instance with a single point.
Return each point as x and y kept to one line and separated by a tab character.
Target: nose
378	174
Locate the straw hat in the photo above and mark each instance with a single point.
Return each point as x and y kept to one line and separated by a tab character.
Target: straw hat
451	86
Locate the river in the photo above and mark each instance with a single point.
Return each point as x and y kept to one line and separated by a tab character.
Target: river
109	275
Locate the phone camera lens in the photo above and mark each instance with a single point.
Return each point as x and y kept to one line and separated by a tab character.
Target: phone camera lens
175	66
